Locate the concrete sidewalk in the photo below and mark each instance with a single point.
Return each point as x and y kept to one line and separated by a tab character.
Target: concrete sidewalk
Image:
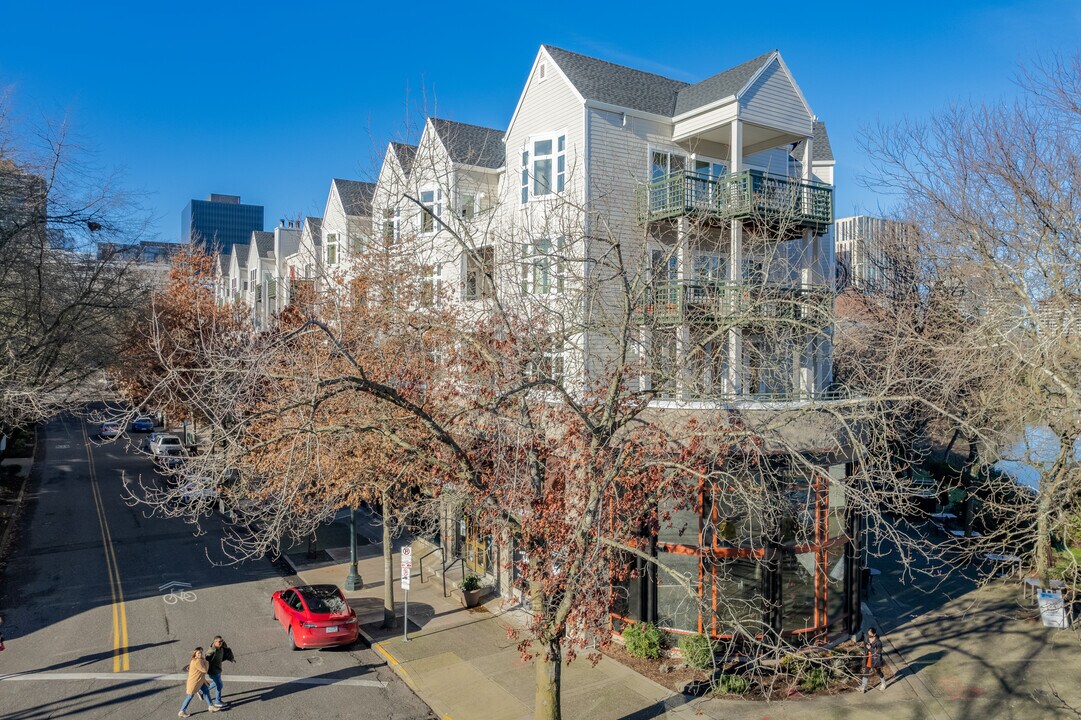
979	655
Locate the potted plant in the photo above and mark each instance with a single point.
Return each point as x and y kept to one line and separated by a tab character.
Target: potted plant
471	590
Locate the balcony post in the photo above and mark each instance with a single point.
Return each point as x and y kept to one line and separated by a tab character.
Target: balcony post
684	273
804	346
735	269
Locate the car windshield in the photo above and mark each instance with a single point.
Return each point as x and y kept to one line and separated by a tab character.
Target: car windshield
324	599
169	441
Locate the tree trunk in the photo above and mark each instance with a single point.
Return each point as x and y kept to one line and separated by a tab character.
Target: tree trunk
1043	537
388	567
547	666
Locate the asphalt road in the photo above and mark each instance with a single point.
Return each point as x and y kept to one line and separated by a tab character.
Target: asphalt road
90	632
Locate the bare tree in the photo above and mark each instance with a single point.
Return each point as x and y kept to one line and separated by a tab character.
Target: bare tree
63	299
993	308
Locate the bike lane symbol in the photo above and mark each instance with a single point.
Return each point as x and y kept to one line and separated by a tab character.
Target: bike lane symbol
176	591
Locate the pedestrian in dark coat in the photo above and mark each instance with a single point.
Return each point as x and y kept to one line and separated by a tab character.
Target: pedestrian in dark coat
872	659
219	653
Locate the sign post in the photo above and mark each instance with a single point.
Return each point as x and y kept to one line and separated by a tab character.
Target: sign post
407	567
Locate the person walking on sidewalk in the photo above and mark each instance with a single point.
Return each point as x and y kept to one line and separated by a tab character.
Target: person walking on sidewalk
219	653
872	659
196	683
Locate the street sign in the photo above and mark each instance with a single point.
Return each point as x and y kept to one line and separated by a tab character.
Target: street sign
406	572
407	557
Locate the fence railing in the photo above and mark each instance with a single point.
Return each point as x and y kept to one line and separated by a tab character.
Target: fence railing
674	301
740	195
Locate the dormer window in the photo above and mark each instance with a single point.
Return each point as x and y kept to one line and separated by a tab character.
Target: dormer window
544	166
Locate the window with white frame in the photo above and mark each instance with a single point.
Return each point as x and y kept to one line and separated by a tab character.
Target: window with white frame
431	285
543	266
548	363
332	248
391	224
432	200
479	274
467	205
544	166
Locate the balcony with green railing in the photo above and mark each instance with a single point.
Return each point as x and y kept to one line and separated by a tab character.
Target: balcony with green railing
747	194
674	302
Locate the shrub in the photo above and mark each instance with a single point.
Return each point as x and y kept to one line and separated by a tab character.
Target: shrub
643	640
697	651
470	582
814	679
732	684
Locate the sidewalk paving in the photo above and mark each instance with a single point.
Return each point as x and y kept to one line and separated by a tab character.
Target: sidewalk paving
953	663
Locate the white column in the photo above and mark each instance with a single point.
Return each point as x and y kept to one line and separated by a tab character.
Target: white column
735	266
683	332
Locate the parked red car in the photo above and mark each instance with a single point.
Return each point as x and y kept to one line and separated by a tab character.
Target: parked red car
316	616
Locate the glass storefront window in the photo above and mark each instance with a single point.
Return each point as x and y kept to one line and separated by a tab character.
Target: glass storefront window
729	523
798	523
682	526
733	588
835	591
837	505
797	591
676	608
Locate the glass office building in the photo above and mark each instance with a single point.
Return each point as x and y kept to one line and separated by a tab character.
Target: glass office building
219	222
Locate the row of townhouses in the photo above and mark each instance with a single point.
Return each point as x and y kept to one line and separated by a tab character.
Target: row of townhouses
718	195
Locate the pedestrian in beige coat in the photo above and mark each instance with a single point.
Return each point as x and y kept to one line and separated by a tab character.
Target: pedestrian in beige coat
197	683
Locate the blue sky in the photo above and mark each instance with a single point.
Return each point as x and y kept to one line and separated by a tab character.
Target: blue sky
271	100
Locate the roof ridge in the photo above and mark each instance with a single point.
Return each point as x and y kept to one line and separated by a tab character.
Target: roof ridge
609	62
465	124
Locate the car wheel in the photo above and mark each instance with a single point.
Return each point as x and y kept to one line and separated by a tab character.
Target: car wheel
292	641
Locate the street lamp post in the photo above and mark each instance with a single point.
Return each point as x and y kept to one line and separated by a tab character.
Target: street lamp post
353	581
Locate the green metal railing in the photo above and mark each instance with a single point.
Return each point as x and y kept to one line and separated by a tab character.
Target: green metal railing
741	195
674	301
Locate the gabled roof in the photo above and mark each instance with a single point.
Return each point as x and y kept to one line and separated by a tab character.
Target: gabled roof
264	243
356	196
315	228
719	86
471	144
821	150
223	263
627	87
240	251
617	85
405	154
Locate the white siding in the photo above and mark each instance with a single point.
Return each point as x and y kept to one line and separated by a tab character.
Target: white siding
772	101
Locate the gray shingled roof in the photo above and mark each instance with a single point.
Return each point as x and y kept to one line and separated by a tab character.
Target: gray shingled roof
618	85
821	150
719	86
223	263
241	251
471	144
264	243
405	154
356	196
316	229
639	90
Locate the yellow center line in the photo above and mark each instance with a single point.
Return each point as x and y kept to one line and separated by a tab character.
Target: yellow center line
120	619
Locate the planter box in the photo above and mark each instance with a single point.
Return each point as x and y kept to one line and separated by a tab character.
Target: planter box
471	598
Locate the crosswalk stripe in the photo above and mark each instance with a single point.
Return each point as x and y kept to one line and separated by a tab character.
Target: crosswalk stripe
181	677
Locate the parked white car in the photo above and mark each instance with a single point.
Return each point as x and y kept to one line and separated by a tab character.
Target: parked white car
165	445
